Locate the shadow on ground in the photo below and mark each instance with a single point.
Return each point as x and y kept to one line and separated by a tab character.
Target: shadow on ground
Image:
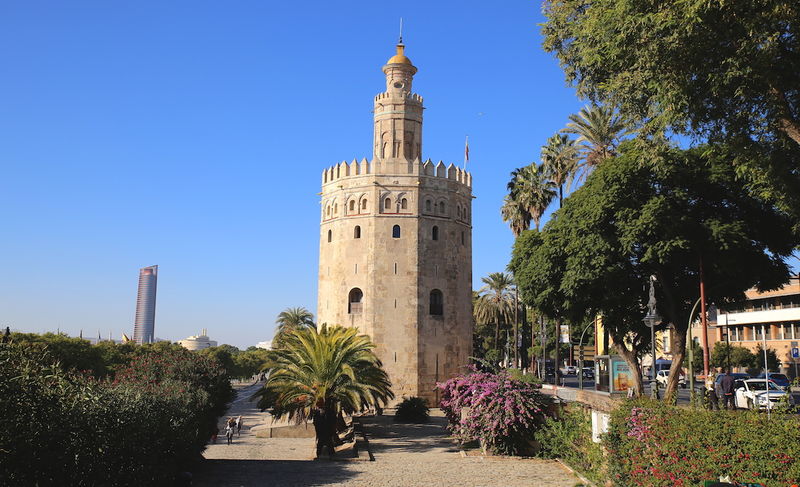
386	436
270	472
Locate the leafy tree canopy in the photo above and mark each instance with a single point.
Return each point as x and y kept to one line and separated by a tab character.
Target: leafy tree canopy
716	69
630	221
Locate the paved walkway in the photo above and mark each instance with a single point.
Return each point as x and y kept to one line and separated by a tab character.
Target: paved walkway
405	455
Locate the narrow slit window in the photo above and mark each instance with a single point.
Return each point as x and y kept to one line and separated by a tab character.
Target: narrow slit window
436	303
387	204
441	207
330	235
427	205
396	231
357	232
364	204
352	205
435	233
404	204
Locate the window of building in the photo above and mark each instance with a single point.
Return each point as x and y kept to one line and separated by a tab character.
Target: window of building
435	233
364	204
387	204
354	301
357	232
441	207
735	333
352	205
759	332
437	303
404	204
427	205
396	231
462	238
330	235
328	210
336	209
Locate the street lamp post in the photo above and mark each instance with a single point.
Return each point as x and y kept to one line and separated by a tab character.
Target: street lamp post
651	319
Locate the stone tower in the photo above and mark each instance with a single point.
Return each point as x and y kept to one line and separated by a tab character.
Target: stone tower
396	246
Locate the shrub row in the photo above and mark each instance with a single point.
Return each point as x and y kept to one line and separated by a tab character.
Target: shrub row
653	444
61	427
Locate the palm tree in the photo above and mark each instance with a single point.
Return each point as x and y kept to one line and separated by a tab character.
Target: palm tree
518	219
598	130
321	374
291	319
532	191
560	157
495	305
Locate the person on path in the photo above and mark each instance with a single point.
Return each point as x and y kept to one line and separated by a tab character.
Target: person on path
239	426
214	434
726	387
229	428
711	391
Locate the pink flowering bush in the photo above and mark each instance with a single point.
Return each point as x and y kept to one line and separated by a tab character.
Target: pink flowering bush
499	411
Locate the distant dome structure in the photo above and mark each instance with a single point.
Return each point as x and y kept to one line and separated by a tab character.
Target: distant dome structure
198	342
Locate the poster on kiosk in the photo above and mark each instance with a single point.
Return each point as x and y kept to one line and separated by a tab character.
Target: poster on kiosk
612	374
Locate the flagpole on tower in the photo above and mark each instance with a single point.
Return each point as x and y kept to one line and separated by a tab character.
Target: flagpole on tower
466	152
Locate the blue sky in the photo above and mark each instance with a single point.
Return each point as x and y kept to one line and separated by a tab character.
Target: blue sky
192	135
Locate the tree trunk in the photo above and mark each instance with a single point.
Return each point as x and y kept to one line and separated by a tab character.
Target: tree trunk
678	353
787	123
633	363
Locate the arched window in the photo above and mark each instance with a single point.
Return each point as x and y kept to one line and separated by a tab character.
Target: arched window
328	210
441	207
336	208
427	205
404	204
364	204
435	233
387	204
330	235
354	301
437	303
396	231
357	232
352	205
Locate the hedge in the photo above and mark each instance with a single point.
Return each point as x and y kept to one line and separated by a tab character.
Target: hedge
652	444
61	427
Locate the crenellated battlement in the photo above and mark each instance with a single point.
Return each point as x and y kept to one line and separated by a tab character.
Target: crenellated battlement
410	96
396	167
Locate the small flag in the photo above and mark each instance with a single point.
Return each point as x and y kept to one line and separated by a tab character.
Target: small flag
466	151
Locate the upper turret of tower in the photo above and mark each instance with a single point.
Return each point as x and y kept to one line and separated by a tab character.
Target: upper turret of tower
399	71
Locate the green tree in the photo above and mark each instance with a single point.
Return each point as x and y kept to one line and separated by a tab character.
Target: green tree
725	356
532	191
560	157
515	215
772	359
630	221
716	69
289	320
323	373
599	130
224	355
495	304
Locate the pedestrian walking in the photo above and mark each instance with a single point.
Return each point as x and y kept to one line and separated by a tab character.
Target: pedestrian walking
711	392
726	388
239	426
229	428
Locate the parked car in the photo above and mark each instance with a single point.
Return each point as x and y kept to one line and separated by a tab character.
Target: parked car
754	394
569	370
780	380
736	376
663	375
588	373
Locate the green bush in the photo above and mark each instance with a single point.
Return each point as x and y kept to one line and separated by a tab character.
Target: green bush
652	444
412	410
569	437
61	427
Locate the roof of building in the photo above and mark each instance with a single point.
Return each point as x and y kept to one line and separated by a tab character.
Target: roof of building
400	57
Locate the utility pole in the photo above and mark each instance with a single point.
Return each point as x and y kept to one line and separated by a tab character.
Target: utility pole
703	319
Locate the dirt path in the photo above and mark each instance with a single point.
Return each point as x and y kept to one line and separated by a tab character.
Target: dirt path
405	455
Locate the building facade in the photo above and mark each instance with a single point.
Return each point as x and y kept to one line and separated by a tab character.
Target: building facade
396	246
771	315
145	321
198	342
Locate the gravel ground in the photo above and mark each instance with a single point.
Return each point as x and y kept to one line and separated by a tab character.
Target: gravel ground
405	455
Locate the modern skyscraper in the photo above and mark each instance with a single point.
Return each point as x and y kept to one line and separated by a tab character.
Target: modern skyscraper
144	325
396	246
